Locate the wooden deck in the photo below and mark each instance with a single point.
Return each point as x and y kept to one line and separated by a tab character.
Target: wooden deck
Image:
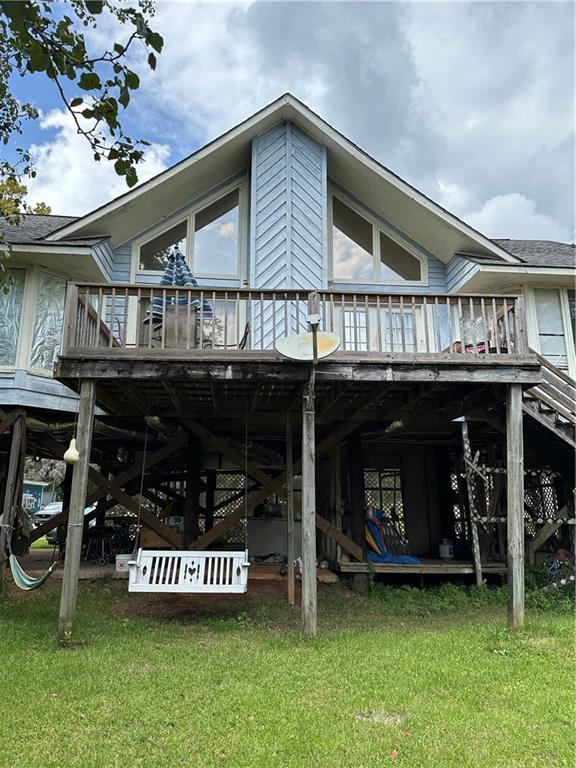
440	567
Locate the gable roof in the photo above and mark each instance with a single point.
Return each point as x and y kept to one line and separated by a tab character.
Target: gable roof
541	253
31	227
442	233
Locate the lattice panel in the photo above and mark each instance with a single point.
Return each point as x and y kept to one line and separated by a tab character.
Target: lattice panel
228	484
383	490
457	486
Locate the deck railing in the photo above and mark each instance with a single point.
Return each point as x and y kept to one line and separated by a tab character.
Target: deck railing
126	318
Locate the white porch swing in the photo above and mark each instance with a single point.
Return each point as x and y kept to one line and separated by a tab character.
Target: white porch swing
190	571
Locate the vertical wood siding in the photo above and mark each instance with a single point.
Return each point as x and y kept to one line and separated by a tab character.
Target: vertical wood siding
288	226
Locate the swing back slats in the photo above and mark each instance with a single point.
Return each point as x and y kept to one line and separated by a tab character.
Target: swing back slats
157	570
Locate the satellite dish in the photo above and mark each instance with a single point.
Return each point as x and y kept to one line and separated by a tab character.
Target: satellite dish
300	347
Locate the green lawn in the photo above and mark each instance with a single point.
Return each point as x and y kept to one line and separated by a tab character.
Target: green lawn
399	677
42	544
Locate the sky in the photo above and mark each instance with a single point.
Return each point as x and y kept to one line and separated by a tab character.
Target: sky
471	102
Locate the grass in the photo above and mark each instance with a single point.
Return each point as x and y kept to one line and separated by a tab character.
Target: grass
401	676
41	544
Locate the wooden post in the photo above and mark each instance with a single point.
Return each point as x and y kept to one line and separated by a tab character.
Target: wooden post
10	492
470	483
192	502
515	474
309	590
290	511
66	494
357	502
335	500
210	494
76	514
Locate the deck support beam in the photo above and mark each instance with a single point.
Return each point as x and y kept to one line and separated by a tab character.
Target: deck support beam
15	467
290	512
76	514
192	501
357	501
210	496
515	474
309	587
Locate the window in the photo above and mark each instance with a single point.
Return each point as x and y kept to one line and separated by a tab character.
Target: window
355	337
396	263
572	311
216	237
383	490
154	254
49	317
208	238
352	254
10	316
551	326
399	331
363	252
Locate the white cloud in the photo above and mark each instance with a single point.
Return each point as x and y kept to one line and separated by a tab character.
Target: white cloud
69	180
516	216
457	98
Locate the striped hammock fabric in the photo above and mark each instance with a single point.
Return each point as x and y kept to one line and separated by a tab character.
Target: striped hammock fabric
176	274
23	580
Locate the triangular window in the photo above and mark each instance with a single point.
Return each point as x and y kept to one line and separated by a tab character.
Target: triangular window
208	237
362	252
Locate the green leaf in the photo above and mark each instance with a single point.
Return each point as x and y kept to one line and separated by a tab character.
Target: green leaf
131	177
119	48
152	61
156	41
124	97
38	59
120	167
94	6
76	102
89	81
132	80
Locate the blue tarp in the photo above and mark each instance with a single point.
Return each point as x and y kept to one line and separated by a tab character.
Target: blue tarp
388	557
377	548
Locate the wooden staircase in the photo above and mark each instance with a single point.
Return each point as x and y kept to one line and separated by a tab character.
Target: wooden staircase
553	402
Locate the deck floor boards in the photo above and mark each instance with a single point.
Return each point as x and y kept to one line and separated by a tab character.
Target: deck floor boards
443	567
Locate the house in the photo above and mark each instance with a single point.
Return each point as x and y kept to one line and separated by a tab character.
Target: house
448	340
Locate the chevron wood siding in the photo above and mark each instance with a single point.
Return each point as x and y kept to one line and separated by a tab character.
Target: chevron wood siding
288	227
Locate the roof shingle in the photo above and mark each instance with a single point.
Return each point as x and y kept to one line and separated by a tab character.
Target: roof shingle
541	253
33	226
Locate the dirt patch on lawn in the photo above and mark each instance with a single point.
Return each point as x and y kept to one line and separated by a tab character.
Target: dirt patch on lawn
197	607
379	716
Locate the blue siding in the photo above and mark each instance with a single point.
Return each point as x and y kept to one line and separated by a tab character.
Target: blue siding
104	255
24	389
288	246
122	270
458	271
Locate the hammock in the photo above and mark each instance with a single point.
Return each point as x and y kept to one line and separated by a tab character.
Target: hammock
378	532
23	580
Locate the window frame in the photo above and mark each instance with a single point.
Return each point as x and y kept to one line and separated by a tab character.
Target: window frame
188	216
378	226
35	288
28	318
534	327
